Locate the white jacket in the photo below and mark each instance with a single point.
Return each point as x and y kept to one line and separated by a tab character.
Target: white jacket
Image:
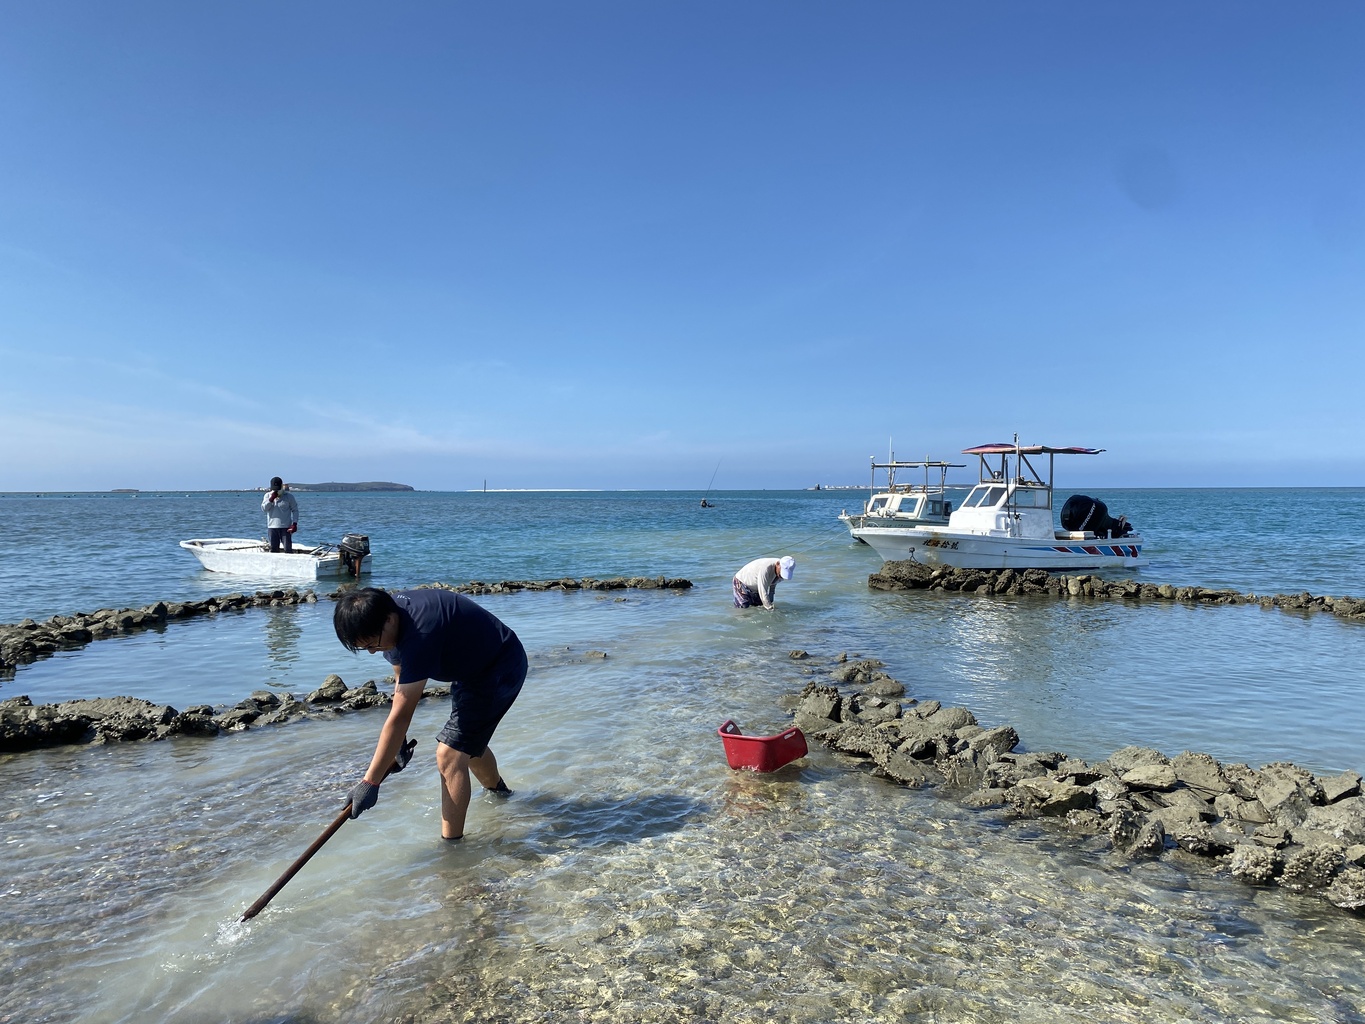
282	512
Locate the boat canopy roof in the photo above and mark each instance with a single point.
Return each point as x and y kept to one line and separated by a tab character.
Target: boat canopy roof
1028	449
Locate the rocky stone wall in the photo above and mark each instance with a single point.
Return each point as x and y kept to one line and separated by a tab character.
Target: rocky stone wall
24	642
1279	825
909	575
28	726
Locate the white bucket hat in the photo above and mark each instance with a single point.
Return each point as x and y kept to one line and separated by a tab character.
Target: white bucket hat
785	565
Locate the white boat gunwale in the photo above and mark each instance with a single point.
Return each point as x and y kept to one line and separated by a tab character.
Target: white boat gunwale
243	556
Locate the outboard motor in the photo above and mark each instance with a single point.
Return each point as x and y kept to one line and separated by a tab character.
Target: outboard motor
353	548
1085	513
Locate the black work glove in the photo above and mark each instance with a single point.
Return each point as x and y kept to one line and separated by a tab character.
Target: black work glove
364	795
404	755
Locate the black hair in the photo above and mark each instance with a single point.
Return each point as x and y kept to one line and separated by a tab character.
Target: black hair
361	615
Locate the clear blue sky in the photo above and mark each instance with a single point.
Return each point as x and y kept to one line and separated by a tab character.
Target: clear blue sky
635	244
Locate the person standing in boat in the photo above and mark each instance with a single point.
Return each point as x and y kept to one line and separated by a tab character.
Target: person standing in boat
757	581
281	515
436	634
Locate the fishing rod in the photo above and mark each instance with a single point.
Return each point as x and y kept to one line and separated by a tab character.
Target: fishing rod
704	502
318	843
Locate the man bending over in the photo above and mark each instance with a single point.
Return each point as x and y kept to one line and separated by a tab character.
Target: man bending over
441	635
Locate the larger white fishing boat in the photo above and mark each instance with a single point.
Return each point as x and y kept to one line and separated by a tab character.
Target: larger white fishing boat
902	504
1006	522
241	557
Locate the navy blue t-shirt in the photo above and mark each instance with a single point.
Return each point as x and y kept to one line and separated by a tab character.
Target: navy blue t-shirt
445	636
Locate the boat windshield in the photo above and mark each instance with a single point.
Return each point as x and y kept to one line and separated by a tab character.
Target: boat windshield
879	503
985	496
1032	497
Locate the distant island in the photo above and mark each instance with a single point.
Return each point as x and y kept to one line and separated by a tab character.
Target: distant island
368	485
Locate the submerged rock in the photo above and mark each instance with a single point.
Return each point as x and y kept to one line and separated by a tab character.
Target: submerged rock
1276	826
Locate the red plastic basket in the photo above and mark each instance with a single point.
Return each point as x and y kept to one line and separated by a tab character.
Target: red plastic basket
761	753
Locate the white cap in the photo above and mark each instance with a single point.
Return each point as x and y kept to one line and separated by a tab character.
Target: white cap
785	565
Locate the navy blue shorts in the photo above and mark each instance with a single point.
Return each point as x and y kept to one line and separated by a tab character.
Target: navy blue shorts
477	708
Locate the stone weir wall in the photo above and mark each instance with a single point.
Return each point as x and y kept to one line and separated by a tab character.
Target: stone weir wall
914	576
28	641
28	726
1279	825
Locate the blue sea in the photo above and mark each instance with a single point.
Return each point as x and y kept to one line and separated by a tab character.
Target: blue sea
634	876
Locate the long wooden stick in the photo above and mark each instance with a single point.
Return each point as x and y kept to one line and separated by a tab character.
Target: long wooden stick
318	843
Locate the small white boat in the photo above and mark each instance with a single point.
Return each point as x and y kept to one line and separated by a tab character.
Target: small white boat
254	558
917	504
1006	522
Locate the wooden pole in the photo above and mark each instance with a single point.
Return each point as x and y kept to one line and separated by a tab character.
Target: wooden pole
318	843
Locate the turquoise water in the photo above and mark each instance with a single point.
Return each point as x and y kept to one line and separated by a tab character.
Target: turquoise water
634	877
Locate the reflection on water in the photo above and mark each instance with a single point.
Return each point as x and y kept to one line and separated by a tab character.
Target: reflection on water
282	634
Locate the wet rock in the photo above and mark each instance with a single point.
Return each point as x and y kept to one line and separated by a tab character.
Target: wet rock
906	771
909	575
1128	758
1234	808
993	743
1279	825
950	718
1077	771
1200	772
872	710
366	695
1286	792
1311	867
986	798
331	691
1008	772
1195	836
1134	833
1340	786
236	719
1254	864
1088	821
1184	802
1242	779
1042	797
1150	776
821	702
1348	889
856	673
1271	836
1343	820
24	726
882	685
857	739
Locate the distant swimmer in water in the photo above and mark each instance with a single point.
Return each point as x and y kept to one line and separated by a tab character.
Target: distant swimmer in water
757	581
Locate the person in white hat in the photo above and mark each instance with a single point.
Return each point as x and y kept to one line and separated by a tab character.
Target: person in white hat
755	583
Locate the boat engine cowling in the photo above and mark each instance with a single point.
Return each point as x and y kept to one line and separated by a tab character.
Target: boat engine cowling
1082	512
353	548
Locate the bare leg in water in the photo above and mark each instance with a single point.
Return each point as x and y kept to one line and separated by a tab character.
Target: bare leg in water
455	766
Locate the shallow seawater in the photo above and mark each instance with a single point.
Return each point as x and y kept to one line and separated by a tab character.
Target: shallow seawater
634	876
